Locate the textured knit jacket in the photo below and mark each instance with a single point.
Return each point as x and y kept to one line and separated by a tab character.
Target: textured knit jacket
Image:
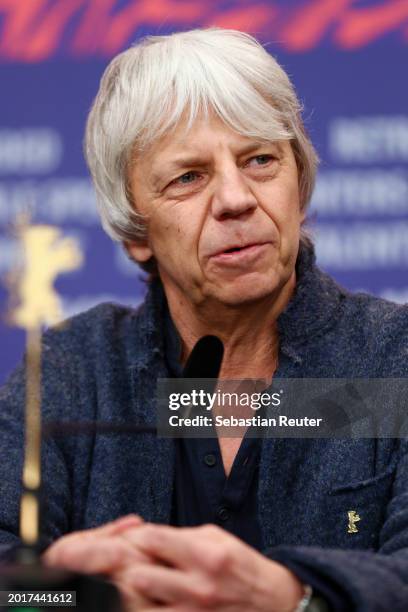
104	364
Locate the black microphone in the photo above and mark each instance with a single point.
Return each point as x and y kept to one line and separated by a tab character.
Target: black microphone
205	359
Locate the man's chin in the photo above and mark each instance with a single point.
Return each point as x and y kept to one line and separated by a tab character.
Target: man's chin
235	295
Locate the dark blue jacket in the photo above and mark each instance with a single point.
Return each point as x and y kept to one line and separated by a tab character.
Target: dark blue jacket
104	364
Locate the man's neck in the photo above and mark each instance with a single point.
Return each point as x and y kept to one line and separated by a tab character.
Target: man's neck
249	333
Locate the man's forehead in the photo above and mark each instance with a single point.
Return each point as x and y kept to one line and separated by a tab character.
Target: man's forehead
184	139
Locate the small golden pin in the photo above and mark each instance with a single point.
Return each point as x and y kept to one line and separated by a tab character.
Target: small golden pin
353	518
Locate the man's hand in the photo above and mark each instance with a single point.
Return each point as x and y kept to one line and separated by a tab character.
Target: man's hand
96	551
206	568
157	567
101	551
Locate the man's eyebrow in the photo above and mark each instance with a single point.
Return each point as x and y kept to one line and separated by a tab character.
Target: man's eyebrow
253	146
185	161
177	164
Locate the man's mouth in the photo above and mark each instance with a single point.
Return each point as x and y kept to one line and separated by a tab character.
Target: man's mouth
236	248
239	254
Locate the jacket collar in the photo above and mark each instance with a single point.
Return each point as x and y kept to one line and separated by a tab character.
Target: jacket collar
314	307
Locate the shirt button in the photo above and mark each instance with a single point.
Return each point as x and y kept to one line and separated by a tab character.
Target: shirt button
223	514
210	460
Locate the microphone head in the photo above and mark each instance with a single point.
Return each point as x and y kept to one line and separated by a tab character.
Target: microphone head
205	359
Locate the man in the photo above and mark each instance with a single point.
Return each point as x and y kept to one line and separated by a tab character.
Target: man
203	170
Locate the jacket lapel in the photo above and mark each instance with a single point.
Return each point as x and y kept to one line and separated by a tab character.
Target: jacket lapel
156	454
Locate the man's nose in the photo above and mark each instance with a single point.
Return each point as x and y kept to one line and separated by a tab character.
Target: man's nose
232	196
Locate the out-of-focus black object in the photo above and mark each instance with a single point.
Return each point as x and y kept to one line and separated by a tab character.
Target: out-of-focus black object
25	572
205	358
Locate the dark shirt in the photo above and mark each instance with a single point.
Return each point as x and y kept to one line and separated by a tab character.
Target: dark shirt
204	494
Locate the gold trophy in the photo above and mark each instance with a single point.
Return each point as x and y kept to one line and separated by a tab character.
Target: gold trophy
35	304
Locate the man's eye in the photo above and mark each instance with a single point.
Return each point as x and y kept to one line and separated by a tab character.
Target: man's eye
186	178
260	160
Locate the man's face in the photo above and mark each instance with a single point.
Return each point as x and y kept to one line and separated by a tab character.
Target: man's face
223	213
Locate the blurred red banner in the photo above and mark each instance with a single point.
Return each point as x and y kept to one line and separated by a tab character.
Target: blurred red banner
36	30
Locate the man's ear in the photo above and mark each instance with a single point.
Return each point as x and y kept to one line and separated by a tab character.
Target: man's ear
138	251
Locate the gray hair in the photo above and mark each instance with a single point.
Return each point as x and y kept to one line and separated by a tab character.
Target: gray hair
146	90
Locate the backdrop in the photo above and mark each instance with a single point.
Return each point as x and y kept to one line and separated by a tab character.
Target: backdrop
348	60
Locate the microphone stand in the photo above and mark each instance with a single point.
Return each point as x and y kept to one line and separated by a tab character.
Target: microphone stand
25	571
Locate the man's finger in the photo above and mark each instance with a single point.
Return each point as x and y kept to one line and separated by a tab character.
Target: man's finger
168	586
80	539
92	555
122	524
164	543
184	547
